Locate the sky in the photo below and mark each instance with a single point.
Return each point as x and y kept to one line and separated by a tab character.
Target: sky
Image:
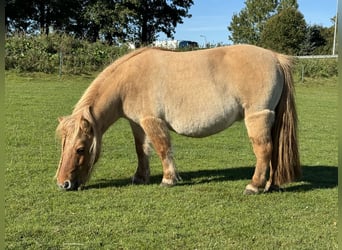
210	19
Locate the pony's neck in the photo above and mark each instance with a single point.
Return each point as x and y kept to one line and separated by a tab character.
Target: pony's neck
106	107
105	115
104	99
104	95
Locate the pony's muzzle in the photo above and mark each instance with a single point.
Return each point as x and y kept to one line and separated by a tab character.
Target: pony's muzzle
67	185
71	186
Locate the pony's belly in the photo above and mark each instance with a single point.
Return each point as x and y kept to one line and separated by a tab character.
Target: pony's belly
203	125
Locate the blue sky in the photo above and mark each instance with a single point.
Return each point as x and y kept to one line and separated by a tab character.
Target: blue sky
210	18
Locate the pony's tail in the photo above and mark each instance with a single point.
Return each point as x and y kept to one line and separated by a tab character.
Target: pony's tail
285	163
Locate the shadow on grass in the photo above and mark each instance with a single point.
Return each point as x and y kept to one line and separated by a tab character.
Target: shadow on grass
314	177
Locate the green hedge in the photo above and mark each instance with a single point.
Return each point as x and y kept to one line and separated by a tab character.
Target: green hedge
53	53
315	68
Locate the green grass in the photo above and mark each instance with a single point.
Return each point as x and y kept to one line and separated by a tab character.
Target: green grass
206	211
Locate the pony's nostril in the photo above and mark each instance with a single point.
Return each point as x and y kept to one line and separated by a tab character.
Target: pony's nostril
67	185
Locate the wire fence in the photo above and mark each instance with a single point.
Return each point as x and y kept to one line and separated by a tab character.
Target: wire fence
316	66
317	57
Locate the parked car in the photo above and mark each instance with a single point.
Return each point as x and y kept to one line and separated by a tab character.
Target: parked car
187	44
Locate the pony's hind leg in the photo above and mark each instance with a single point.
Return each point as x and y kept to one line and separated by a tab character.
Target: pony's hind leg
158	134
259	127
142	147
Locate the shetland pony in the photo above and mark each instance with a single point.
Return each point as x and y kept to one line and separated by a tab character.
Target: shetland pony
196	94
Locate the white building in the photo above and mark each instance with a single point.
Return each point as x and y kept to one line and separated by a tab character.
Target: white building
168	44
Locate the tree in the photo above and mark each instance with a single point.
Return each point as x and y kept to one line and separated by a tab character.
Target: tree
328	34
110	20
106	20
247	26
313	40
17	15
284	32
31	16
137	21
286	4
153	16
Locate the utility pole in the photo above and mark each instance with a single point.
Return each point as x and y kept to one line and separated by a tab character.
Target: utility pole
335	30
205	41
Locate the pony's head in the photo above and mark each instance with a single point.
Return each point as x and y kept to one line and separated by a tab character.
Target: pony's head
80	149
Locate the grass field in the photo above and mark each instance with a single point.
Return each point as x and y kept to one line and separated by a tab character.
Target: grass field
206	211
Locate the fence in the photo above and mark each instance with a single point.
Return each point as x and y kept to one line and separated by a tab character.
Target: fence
317	57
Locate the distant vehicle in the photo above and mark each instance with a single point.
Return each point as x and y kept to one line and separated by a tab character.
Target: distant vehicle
187	44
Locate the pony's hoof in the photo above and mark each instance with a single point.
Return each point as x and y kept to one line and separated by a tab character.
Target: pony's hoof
138	181
168	183
250	190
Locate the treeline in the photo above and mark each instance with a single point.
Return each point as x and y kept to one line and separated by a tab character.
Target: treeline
81	36
113	21
279	25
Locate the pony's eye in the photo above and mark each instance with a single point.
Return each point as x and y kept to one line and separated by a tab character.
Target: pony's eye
80	151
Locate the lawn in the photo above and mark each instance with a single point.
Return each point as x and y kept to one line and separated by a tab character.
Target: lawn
206	211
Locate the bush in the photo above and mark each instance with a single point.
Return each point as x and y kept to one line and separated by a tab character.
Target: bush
29	54
51	53
316	68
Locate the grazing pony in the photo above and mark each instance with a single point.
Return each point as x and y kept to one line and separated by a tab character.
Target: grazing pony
196	94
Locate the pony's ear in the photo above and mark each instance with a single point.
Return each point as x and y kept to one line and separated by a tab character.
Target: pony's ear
86	127
87	122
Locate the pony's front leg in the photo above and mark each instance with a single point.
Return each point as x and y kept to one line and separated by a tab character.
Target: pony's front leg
259	127
142	148
158	134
